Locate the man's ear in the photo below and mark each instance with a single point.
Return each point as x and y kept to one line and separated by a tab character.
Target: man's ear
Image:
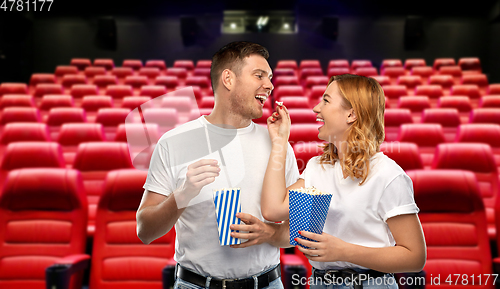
228	79
351	117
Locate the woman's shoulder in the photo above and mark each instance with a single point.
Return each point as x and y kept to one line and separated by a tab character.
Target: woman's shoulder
385	167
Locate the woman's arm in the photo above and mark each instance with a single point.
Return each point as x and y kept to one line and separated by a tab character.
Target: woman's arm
408	255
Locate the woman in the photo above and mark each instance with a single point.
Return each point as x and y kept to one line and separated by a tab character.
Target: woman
372	226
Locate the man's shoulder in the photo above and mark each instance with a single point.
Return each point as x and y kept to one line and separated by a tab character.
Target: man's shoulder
181	129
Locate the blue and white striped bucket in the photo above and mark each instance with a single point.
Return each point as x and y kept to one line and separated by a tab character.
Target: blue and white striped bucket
227	204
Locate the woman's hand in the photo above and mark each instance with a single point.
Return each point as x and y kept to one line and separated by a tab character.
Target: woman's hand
278	124
327	248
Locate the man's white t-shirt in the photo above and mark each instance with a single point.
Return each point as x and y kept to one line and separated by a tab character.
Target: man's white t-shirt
245	154
358	214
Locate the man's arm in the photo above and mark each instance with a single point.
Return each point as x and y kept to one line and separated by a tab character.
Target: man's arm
158	213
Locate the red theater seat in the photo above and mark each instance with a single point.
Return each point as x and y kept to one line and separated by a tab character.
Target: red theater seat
135	64
393	119
136	81
414	103
478	79
119	91
470	64
444	80
60	115
303	132
150	72
43	215
285	80
207	102
316	80
69	80
307	72
131	102
179	72
338	63
478	158
292	102
448	118
393	92
360	63
186	64
410	81
422	71
93	71
284	72
309	63
20	132
20	114
433	91
33	154
116	240
493	89
393	73
202	81
485	115
455	71
302	115
135	133
102	81
426	135
110	118
287	64
382	79
202	72
73	134
37	78
410	63
405	154
56	100
461	103
438	62
122	72
165	118
454	224
95	102
304	151
62	70
94	160
288	90
366	71
391	63
78	91
152	90
107	63
481	133
205	63
42	89
338	71
160	64
13	88
490	101
170	82
16	100
80	63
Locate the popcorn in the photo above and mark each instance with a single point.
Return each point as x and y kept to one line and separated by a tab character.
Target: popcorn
308	209
280	103
227	204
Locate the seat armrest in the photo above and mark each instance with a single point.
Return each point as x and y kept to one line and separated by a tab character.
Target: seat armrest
294	272
58	275
168	274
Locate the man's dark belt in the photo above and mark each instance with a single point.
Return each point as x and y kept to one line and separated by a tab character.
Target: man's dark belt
346	276
247	283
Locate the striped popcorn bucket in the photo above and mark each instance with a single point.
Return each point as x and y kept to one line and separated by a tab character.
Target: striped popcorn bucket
227	204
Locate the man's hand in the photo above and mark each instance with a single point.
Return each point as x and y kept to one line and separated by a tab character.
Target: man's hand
258	231
198	175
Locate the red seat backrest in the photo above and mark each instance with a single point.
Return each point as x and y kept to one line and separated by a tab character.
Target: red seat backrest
20	114
438	62
186	64
304	151
338	63
485	115
295	102
72	134
95	102
423	134
410	63
56	100
13	88
102	81
42	89
111	116
310	63
479	133
360	63
287	64
62	70
169	81
158	63
430	90
288	90
394	91
406	155
92	71
337	71
37	78
470	63
462	103
17	132
119	90
122	72
43	216
115	238
394	117
17	100
80	63
423	71
471	90
135	64
446	117
414	103
59	115
391	63
81	90
108	63
68	80
204	63
489	101
136	81
410	81
366	71
445	80
285	80
32	155
303	132
152	90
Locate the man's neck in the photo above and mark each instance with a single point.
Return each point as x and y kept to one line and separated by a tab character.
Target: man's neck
224	118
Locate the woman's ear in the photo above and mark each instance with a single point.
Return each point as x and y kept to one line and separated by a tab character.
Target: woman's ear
228	78
351	117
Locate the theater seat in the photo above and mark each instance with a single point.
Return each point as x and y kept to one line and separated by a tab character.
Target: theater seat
391	63
393	73
478	79
478	158
119	91
60	115
122	72
136	81
416	103
179	72
303	132
284	72
470	64
102	81
438	62
410	81
461	103
157	63
426	135
433	91
201	71
204	63
150	72
68	80
302	115
50	101
107	63
78	91
481	133
13	88
287	90
304	73
455	71
92	71
292	64
184	63
43	215
169	81
80	63
309	63
393	119
110	119
37	78
152	90
202	81
485	115
19	132
132	102
423	71
360	63
17	100
337	71
42	89
338	63
405	154
165	118
292	102
73	134
493	88
32	154
92	103
62	70
135	64
366	71
304	151
94	160
445	81
410	63
454	224
382	79
471	90
448	118
285	80
207	102
20	114
490	101
115	238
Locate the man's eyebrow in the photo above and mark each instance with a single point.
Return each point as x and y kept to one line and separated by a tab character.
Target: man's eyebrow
263	71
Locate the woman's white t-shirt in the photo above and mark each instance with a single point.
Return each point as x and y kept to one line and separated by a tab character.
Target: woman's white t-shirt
358	214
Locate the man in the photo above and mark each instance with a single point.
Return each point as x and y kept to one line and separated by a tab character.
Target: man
179	192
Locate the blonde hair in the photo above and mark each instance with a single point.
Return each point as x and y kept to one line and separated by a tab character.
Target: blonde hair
366	97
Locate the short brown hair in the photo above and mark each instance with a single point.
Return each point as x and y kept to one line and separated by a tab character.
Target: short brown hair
232	56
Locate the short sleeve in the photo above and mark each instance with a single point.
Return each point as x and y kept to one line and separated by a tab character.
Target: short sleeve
159	179
292	171
397	198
